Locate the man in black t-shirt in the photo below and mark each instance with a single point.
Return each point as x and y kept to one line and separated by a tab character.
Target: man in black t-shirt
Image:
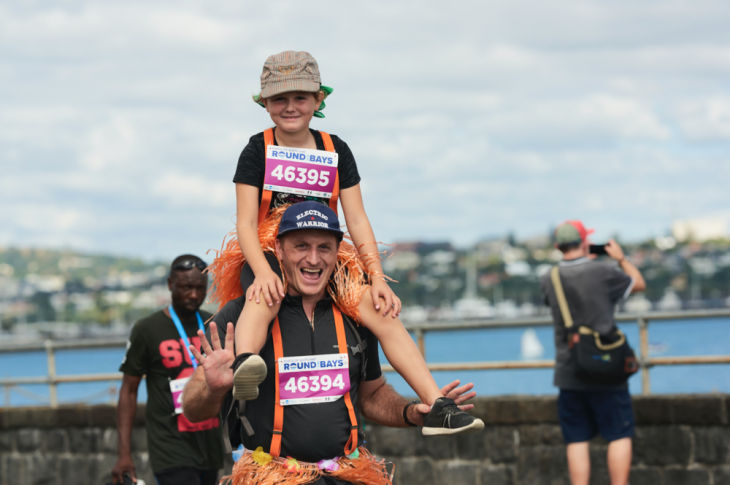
310	427
180	452
585	408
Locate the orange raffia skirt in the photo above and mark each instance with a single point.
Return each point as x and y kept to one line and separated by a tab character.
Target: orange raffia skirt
350	275
260	468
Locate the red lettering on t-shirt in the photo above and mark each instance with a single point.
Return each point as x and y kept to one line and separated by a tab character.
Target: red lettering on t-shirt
173	352
185	426
170	352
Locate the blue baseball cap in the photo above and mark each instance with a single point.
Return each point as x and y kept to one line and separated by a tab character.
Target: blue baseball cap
310	215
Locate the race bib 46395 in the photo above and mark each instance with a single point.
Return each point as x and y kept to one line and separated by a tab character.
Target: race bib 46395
300	171
313	378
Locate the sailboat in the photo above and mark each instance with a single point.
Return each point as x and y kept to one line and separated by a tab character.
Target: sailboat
530	346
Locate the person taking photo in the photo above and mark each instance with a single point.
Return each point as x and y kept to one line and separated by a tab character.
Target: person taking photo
589	405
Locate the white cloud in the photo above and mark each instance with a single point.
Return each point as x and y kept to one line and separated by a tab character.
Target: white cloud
110	144
595	119
180	190
706	119
122	122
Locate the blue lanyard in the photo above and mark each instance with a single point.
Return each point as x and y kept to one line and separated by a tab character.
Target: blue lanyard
182	333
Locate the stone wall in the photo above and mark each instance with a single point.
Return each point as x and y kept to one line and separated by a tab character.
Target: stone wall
69	445
680	440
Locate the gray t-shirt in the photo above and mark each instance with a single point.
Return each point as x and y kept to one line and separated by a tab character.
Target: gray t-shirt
592	290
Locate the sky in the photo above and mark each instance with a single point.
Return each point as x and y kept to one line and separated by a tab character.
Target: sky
121	122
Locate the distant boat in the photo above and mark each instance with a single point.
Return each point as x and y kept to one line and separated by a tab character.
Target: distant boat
473	308
507	309
659	348
530	346
670	301
637	304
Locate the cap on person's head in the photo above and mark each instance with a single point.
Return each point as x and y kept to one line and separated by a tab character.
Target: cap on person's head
571	232
309	215
291	71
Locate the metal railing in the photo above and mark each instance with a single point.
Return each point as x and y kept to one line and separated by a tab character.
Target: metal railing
642	320
52	379
420	330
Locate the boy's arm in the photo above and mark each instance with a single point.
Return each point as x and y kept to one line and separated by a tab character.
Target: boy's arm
358	225
247	215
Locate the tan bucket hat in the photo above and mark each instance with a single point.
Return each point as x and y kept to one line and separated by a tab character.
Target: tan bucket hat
291	71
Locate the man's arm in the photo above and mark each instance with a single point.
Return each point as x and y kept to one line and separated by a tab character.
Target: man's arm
199	403
126	409
204	394
615	251
380	403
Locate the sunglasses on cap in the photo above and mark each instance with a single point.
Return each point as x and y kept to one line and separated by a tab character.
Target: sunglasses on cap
190	264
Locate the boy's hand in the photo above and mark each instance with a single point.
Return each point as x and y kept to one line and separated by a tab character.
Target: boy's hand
269	285
380	289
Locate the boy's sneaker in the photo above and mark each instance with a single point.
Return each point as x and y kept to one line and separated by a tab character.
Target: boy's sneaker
446	418
249	370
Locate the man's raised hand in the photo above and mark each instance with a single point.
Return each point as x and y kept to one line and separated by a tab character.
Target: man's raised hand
217	361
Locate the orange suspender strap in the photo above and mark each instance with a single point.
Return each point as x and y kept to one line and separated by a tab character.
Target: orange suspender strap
275	450
266	194
351	445
278	408
330	147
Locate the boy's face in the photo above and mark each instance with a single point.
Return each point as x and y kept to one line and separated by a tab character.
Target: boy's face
292	111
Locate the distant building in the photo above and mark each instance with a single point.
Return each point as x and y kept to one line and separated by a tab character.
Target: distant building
423	247
701	229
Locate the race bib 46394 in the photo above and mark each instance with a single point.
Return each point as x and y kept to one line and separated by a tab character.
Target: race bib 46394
300	171
313	378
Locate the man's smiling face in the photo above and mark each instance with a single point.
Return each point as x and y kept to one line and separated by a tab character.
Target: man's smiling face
308	258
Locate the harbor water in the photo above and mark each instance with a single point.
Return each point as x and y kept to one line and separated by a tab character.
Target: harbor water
709	336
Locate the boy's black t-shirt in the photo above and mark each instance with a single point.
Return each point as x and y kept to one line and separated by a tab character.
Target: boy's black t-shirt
252	166
156	351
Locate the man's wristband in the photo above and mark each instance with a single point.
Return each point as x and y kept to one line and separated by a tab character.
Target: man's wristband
405	412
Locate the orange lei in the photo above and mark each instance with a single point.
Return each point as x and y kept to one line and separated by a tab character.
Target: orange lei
364	470
350	273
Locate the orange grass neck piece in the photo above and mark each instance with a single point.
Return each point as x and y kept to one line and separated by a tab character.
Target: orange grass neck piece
350	275
364	470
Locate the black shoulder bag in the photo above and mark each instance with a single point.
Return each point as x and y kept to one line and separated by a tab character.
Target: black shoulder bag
600	359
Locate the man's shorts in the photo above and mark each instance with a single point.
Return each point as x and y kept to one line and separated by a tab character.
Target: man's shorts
583	414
